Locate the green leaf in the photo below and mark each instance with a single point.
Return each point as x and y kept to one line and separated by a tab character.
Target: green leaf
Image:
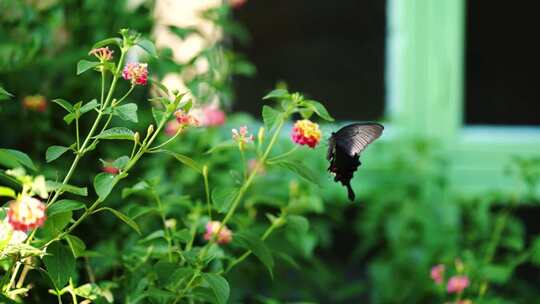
131	223
185	160
170	276
117	133
89	106
54	152
222	198
76	245
300	169
298	223
85	65
70	118
158	115
56	223
4	94
64	104
64	205
319	109
18	156
82	191
6	300
121	162
5	191
103	184
257	246
127	112
60	264
219	286
148	46
270	117
114	40
496	273
535	251
277	94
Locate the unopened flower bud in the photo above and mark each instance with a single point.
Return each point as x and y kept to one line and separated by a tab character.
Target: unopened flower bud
260	135
150	130
137	137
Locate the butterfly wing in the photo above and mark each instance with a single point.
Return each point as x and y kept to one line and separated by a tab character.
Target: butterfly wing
354	138
344	147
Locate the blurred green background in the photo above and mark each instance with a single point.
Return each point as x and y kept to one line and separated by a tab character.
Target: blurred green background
452	81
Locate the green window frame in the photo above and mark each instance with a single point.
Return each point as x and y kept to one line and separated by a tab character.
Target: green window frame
425	85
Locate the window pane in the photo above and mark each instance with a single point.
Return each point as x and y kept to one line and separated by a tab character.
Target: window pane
331	50
503	60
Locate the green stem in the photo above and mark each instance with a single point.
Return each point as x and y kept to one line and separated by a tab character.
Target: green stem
167	141
168	235
236	201
77	133
207	191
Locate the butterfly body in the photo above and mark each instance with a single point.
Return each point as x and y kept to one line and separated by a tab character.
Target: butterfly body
344	148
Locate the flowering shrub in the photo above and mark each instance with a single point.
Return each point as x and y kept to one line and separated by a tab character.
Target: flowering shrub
192	263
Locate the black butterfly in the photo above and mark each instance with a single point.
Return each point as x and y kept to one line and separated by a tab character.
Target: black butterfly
344	147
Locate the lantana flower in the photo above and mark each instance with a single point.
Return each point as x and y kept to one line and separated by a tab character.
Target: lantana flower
242	136
103	53
457	284
212	227
172	127
36	103
9	235
26	213
437	273
237	3
186	119
212	116
136	72
306	132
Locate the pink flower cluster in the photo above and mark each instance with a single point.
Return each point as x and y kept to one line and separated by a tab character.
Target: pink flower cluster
136	72
242	136
26	213
456	284
224	236
306	132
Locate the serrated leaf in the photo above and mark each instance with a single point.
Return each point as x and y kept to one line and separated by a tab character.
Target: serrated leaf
19	157
117	133
300	169
277	93
270	117
114	40
127	112
64	206
219	286
84	65
54	152
60	264
320	110
257	246
64	104
131	223
103	184
148	46
76	245
185	160
5	191
222	198
69	118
